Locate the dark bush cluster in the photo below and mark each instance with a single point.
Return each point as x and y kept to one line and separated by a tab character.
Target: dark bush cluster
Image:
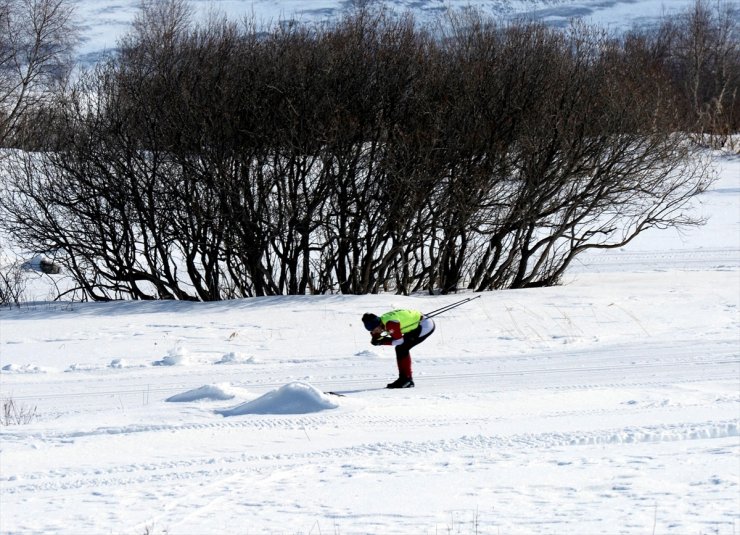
698	52
227	160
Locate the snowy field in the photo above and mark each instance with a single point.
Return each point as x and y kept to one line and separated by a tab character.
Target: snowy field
103	22
610	404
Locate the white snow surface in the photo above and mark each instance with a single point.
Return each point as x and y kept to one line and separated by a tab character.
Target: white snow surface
610	404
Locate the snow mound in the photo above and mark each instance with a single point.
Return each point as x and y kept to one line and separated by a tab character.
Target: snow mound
293	398
235	358
25	368
215	392
177	356
44	264
81	368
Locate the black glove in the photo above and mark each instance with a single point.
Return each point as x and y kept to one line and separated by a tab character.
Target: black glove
379	341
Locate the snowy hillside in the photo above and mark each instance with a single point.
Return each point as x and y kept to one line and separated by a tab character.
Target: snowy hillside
103	22
607	405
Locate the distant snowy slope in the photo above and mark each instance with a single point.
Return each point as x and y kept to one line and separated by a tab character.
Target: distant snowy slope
103	22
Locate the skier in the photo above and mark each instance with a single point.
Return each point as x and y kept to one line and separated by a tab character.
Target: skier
402	329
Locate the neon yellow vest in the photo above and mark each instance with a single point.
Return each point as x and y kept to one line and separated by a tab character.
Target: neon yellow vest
409	319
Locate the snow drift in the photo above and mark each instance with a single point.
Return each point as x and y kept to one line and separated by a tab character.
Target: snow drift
293	398
214	392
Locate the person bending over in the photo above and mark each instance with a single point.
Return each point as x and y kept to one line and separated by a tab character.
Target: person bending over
402	329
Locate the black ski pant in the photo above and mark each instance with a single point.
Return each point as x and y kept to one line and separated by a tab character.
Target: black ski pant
411	339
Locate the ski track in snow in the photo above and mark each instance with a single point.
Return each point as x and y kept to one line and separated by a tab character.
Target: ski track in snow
141	473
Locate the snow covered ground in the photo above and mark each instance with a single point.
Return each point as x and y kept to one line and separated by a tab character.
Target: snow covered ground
610	404
103	22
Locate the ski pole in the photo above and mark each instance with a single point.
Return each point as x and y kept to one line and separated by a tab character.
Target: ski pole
444	309
447	308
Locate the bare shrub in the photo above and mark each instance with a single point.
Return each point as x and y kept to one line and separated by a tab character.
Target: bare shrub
36	42
15	413
12	282
220	160
699	51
